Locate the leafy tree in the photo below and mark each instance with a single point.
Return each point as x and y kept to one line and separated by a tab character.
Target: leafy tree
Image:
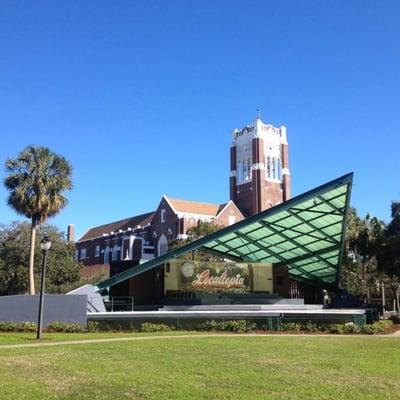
36	181
62	269
202	229
389	256
364	240
394	225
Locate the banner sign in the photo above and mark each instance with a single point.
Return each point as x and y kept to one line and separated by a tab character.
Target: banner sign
213	276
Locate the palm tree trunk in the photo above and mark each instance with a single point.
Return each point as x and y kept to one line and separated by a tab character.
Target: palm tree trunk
32	256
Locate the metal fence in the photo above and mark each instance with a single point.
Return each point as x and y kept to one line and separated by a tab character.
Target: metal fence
120	303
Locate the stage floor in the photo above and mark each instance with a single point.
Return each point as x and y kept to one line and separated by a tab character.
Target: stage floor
289	312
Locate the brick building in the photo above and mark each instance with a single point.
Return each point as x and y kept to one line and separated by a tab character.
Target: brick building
145	236
260	176
259	179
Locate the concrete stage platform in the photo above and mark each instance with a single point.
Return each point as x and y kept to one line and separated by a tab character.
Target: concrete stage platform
288	312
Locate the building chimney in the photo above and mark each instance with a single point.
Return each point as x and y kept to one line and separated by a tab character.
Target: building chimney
70	233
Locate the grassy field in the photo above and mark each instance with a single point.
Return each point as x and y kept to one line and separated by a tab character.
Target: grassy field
242	367
30	337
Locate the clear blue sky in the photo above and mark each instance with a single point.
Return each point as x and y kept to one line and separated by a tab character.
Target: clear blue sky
141	96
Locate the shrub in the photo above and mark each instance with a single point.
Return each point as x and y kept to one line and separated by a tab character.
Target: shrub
238	325
57	326
93	326
310	327
336	328
27	327
8	326
150	327
352	328
234	325
377	327
291	326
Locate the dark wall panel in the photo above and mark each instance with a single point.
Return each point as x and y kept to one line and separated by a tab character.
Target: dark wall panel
56	307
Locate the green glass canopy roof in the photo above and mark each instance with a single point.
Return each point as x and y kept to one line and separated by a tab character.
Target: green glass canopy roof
305	233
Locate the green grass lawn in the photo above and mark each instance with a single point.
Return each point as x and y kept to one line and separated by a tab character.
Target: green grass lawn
242	367
30	337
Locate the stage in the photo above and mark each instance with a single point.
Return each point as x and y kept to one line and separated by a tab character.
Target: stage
285	313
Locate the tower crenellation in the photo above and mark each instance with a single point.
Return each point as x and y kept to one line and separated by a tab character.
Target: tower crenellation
260	176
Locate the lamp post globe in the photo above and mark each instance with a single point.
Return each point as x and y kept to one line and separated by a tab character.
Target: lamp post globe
45	245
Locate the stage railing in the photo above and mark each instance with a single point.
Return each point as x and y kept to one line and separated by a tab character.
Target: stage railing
117	303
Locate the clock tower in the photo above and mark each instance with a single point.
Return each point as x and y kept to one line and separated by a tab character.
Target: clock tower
260	176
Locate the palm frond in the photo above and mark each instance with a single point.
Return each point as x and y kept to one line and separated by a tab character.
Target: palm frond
36	181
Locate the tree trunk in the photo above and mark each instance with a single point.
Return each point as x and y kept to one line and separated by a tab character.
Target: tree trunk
32	256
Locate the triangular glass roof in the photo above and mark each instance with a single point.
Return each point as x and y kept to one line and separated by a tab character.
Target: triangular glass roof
306	233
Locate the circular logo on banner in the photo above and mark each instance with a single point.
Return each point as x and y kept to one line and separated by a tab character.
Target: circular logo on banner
187	270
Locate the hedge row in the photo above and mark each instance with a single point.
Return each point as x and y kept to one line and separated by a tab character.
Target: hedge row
378	327
10	326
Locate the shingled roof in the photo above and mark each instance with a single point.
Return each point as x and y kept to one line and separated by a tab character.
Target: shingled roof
195	207
123	224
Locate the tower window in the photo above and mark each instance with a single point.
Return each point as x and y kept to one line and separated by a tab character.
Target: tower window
248	169
279	169
273	168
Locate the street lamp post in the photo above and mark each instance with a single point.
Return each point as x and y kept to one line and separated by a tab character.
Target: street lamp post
45	245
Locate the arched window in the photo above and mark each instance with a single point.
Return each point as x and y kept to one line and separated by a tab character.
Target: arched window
273	168
268	168
245	170
239	171
162	246
163	215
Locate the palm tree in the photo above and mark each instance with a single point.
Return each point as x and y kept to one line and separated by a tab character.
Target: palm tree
36	179
363	241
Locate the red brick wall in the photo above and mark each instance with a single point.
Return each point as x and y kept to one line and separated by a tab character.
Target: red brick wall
90	246
223	217
244	198
91	271
118	239
161	228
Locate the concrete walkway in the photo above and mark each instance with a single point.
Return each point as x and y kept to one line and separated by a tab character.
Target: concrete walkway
190	336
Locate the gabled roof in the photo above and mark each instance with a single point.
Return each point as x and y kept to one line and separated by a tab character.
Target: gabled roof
132	222
194	207
224	206
305	233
